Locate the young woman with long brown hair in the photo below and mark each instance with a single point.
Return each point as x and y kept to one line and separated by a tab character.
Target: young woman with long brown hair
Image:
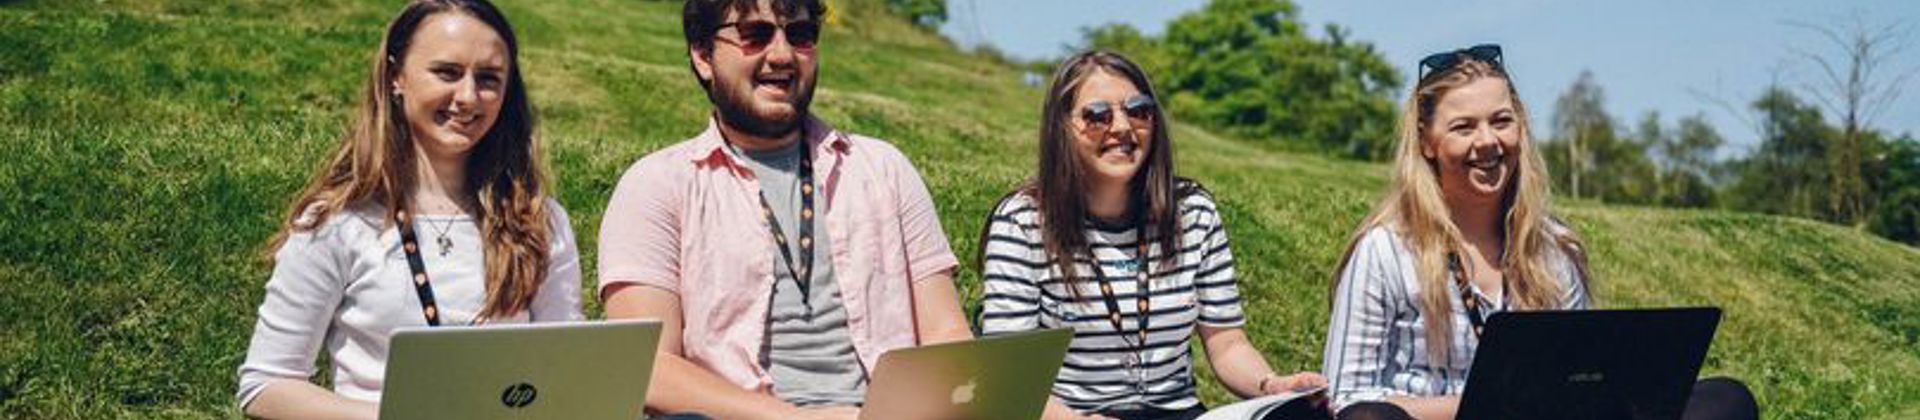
1105	239
433	211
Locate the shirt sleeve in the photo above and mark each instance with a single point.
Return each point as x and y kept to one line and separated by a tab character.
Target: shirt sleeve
1215	280
927	250
1363	310
640	230
1576	296
1010	282
559	296
306	287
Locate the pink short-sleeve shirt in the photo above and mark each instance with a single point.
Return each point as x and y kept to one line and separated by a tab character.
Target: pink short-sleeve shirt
687	219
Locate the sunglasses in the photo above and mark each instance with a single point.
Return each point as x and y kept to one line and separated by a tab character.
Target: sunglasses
1442	61
1099	114
756	35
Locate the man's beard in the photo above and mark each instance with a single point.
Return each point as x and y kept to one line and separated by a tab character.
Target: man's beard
737	112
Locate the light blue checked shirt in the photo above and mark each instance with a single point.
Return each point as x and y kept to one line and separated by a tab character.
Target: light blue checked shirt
1377	337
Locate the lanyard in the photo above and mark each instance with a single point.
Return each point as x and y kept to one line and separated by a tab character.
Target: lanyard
1474	315
1143	303
410	242
802	272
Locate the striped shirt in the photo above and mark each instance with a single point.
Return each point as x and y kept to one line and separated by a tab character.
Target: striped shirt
1377	338
1024	292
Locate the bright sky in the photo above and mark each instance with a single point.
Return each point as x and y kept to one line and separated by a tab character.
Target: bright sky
1648	55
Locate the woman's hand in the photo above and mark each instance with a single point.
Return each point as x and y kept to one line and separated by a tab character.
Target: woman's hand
1275	384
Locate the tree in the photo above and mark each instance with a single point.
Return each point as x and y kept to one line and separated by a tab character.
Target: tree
1623	170
1579	118
926	13
1788	173
1855	85
1686	157
1896	181
1127	40
1248	67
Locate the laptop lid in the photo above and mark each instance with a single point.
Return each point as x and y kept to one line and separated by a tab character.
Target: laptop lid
1001	377
1592	364
563	370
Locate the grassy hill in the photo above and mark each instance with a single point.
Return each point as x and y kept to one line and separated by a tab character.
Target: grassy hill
150	147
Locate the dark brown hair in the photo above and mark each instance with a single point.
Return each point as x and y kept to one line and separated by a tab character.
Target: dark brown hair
1059	184
700	19
376	164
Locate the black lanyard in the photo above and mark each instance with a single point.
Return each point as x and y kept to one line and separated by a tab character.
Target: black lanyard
803	272
421	287
1143	303
1474	315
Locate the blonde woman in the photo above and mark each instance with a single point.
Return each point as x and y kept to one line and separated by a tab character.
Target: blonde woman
433	211
1464	231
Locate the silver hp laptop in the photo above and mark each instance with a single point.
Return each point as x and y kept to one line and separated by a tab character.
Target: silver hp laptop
564	370
1001	377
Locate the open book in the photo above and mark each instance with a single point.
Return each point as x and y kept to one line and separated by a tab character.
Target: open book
1309	404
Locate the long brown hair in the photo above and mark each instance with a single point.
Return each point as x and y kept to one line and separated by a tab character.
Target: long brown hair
1413	207
1060	183
375	164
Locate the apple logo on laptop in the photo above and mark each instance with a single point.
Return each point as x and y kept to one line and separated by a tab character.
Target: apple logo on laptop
519	395
964	393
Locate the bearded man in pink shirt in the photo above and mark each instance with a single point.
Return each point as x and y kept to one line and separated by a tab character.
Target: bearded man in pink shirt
782	255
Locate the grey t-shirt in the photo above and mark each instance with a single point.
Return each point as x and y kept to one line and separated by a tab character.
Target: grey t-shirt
808	350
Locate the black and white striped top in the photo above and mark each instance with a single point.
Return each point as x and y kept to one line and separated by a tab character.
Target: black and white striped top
1024	292
1377	336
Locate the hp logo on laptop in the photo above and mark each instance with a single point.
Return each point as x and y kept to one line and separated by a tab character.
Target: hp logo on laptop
519	395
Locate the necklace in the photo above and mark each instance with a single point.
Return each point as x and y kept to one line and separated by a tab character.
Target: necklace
440	231
443	228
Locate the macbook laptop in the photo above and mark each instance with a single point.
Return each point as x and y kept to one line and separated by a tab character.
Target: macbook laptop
564	370
1001	377
1593	364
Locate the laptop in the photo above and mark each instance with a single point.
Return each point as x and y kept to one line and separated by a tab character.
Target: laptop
1591	364
1001	377
562	370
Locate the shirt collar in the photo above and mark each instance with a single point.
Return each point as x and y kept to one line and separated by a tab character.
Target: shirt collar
820	136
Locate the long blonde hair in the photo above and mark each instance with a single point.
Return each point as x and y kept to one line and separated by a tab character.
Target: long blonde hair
505	177
1414	208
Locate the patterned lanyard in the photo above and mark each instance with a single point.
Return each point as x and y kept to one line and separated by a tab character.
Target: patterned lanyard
1467	298
1144	301
803	272
410	242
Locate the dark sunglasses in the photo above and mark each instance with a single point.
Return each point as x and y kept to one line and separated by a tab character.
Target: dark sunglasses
756	35
1442	61
1099	114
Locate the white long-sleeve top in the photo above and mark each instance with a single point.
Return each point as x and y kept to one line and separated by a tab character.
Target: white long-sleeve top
346	287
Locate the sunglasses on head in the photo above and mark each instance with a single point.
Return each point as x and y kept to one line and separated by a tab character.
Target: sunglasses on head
1442	61
1099	114
756	35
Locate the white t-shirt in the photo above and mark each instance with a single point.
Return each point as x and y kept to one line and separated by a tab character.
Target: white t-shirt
345	287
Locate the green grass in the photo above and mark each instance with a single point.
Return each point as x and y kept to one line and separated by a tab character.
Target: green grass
151	147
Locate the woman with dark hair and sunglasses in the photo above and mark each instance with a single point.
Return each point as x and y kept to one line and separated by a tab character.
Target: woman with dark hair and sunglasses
434	210
1463	232
1106	240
